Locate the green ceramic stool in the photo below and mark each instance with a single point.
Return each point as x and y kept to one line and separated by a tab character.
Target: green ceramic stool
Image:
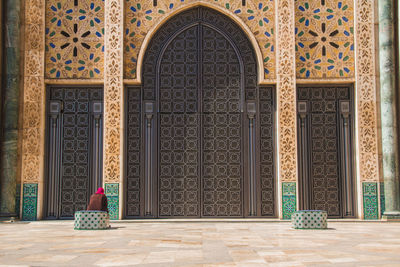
91	220
310	219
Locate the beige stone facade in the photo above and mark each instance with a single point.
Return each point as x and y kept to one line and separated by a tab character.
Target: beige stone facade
267	24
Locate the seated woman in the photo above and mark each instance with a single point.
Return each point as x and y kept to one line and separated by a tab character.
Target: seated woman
98	201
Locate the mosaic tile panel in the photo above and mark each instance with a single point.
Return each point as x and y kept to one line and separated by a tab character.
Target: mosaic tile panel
74	39
370	196
142	15
112	193
324	39
288	200
29	205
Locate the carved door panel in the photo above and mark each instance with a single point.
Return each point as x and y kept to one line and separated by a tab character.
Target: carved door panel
325	149
74	148
199	132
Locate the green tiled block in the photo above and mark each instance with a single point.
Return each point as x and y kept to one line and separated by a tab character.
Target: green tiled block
310	219
370	200
91	220
29	205
288	199
112	193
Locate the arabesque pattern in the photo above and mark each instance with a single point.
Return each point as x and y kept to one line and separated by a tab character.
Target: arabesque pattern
74	39
366	91
286	91
324	39
142	15
113	90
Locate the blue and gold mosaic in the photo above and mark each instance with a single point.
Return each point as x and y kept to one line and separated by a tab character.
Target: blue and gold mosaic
142	15
324	39
74	39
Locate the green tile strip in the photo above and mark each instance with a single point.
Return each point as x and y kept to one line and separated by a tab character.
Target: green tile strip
29	205
288	199
112	193
370	196
382	195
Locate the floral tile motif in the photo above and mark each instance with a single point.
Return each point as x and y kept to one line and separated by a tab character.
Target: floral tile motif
288	199
142	15
370	196
29	205
324	39
74	39
112	193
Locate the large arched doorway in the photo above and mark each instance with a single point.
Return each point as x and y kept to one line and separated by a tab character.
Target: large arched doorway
199	129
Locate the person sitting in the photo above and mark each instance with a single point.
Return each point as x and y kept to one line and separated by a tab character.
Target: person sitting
98	201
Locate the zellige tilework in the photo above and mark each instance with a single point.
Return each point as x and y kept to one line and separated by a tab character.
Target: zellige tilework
370	196
74	39
112	193
288	199
324	39
29	206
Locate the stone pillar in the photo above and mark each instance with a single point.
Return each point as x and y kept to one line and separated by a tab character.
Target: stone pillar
388	109
10	107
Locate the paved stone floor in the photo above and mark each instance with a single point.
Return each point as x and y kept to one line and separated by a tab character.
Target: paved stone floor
200	244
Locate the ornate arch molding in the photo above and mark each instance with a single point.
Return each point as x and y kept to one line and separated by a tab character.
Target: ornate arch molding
237	21
209	18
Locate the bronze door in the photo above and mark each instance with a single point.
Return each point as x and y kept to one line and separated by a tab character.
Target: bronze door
194	130
325	122
74	148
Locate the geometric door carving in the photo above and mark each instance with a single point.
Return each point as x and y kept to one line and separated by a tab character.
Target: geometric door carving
326	137
74	148
199	129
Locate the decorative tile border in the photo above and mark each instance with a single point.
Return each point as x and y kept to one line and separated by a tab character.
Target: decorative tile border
112	193
29	208
288	200
370	196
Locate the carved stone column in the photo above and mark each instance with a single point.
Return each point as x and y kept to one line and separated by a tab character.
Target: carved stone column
388	109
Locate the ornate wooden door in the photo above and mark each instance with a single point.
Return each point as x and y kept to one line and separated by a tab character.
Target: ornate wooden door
74	148
194	126
325	124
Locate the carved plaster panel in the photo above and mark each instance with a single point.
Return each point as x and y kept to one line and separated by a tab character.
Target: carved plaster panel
34	93
113	90
366	91
286	91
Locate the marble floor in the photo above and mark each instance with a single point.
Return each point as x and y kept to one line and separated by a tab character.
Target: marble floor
201	243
